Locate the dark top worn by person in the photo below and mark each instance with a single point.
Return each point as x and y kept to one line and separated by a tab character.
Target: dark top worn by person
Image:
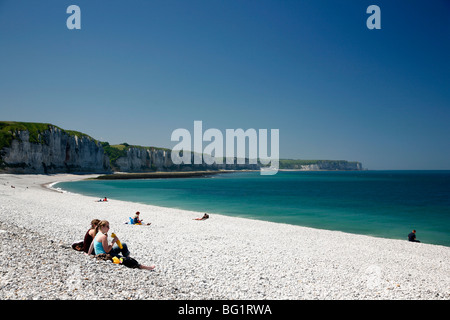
87	241
412	236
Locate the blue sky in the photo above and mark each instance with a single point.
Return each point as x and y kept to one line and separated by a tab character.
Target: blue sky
137	70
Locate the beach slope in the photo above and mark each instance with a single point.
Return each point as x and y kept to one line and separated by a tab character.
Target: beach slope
220	258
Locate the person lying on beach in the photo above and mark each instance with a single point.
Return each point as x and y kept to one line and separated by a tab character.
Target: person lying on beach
136	219
205	216
412	236
103	200
100	243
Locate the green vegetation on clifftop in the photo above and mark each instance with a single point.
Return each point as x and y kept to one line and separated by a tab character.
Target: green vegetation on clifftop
9	128
9	131
117	151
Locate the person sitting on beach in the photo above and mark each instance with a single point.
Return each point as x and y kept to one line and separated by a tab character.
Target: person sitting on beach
205	216
88	237
136	219
100	243
412	236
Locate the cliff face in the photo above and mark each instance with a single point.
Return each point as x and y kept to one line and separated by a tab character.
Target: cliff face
332	166
50	149
45	148
56	151
318	165
140	159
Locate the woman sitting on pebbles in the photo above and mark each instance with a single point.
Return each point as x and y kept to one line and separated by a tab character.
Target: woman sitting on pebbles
88	237
100	243
101	247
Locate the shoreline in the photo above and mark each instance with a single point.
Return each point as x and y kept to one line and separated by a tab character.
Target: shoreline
161	175
241	214
220	258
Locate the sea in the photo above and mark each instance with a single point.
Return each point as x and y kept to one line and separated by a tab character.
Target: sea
388	204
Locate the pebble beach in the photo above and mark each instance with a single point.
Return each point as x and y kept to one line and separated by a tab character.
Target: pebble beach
220	258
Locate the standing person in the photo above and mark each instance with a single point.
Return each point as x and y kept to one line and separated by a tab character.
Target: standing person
412	236
100	243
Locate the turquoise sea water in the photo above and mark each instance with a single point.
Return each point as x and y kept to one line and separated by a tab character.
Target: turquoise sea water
379	203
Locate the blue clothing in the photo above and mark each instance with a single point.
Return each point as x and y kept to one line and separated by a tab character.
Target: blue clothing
98	246
412	237
115	251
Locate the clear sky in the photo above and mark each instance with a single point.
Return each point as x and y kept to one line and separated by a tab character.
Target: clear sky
137	70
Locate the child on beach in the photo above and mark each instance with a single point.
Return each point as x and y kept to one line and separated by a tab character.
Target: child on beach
136	219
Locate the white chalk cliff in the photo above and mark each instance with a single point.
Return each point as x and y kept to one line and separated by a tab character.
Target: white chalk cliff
45	148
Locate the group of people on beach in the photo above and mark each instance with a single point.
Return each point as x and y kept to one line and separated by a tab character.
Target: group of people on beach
96	243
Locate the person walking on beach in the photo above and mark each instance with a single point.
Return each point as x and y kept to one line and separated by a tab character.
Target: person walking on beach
412	236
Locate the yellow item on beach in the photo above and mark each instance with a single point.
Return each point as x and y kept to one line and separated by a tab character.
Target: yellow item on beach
117	260
118	241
